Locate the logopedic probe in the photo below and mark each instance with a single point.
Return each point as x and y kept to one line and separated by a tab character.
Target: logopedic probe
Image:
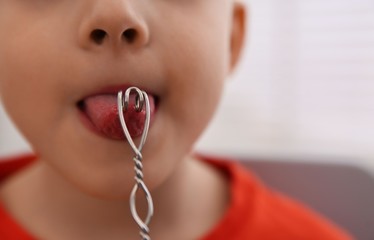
141	102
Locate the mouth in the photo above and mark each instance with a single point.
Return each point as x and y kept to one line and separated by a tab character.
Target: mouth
99	113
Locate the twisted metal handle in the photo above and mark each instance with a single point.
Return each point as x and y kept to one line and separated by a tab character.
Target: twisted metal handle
142	101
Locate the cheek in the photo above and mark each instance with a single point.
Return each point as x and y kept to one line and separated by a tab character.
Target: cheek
26	86
195	87
199	65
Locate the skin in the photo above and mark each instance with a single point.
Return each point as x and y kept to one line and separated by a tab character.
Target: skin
181	51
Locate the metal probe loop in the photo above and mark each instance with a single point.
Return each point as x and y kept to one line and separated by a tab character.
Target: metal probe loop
141	101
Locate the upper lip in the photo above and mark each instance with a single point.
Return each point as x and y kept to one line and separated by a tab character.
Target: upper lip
108	90
114	89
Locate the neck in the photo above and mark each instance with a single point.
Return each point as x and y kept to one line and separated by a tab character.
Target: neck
188	204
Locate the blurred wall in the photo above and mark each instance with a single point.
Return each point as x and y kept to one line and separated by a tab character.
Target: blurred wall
305	87
304	90
11	142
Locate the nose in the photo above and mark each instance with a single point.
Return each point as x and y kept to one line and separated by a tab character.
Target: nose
113	23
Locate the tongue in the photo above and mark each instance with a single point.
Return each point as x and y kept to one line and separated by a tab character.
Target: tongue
103	112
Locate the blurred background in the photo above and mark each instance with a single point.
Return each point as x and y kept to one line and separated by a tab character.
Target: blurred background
304	90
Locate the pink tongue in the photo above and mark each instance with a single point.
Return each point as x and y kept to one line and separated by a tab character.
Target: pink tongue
103	113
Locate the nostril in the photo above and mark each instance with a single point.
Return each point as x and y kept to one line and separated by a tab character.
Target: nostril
98	36
130	35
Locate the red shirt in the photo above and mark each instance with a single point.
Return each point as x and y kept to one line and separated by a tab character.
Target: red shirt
255	212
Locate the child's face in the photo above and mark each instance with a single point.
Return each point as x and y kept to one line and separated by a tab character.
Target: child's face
50	59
